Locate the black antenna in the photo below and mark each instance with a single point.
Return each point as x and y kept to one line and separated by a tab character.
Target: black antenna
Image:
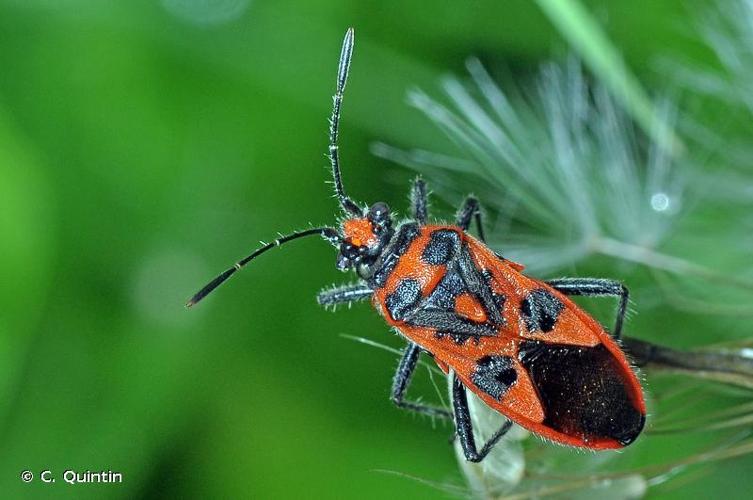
327	233
342	77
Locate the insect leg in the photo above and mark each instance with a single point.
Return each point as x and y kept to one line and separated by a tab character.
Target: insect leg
402	381
471	209
344	294
418	201
464	428
596	287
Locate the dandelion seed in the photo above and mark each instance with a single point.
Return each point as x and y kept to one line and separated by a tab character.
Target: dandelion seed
563	163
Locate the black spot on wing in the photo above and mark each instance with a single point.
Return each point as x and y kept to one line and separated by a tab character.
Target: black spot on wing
397	247
540	310
442	246
438	310
499	298
404	299
444	295
494	375
582	391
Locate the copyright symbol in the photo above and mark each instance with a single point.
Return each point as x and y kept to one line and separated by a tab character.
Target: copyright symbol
27	476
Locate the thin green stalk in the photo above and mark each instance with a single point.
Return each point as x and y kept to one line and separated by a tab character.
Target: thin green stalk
585	35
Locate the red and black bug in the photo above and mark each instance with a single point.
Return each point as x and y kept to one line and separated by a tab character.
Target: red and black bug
518	343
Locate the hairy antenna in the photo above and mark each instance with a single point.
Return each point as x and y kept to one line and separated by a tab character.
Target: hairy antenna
328	233
334	157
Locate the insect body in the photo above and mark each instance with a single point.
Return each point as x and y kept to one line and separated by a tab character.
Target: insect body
518	343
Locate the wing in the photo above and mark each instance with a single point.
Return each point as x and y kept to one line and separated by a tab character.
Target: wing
549	366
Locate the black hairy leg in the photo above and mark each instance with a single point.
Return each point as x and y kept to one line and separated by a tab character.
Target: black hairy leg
402	380
419	201
596	287
464	427
470	210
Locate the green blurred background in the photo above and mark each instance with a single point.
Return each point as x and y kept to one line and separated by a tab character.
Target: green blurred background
144	147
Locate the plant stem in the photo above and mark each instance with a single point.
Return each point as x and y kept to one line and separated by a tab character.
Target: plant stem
733	367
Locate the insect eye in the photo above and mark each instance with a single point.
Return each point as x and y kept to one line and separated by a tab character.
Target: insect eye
379	212
349	250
